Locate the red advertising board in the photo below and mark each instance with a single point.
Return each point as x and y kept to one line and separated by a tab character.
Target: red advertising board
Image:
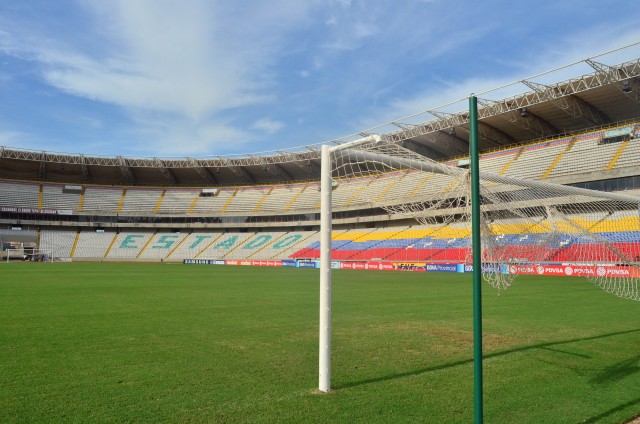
266	263
380	266
575	270
353	265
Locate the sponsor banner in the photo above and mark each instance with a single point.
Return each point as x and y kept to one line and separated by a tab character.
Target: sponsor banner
522	269
411	266
575	270
565	270
380	266
354	265
442	268
266	263
494	268
30	210
618	132
204	261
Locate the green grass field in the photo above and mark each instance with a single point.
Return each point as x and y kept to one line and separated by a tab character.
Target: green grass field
210	344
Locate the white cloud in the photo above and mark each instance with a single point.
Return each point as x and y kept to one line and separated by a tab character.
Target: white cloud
11	138
451	95
197	76
189	61
344	3
169	58
268	125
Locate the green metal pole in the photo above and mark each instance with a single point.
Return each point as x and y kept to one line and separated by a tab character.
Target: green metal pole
477	260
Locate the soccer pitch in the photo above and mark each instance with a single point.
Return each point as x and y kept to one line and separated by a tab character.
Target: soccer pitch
155	343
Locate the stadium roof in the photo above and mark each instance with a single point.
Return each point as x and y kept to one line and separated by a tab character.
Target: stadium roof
607	95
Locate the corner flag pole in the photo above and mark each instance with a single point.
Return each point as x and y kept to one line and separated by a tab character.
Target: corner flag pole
477	260
324	374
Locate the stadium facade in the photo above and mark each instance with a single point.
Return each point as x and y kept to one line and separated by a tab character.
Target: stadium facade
263	209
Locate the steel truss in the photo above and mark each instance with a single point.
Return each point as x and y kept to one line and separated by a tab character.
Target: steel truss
562	94
438	131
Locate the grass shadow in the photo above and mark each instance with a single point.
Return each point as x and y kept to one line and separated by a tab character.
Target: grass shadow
612	411
617	371
613	371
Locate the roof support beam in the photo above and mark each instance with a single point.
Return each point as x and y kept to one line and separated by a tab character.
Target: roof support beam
443	142
42	171
453	144
125	169
524	119
85	168
203	172
628	85
278	171
539	95
570	104
493	134
448	135
529	121
308	166
166	172
239	171
424	150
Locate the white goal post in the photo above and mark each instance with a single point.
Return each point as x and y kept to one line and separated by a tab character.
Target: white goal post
31	255
524	223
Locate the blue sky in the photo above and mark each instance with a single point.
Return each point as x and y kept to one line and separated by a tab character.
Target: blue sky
203	77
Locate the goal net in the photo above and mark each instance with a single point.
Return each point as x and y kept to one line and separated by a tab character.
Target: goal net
525	224
29	255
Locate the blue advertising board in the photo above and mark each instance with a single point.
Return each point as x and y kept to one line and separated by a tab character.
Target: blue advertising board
495	268
442	268
307	264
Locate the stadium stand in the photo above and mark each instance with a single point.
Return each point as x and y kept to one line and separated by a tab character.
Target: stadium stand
93	245
160	245
19	194
177	201
630	156
128	245
615	147
215	204
253	245
54	197
139	201
279	198
307	198
101	199
224	245
568	155
192	245
60	242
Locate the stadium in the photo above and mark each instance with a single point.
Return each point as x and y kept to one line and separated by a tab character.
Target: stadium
561	186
